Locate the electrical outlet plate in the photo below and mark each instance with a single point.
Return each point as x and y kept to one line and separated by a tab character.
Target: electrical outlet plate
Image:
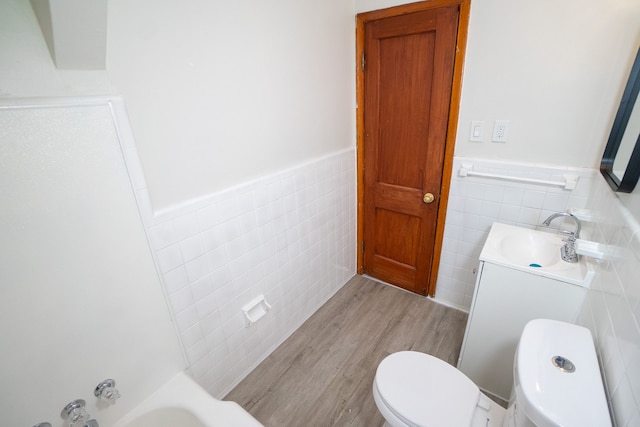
500	131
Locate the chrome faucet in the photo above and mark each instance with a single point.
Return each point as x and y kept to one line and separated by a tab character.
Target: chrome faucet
575	233
568	251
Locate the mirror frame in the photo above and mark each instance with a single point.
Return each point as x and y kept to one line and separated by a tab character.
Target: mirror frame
632	171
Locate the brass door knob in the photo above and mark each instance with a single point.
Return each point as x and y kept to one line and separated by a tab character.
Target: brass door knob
428	198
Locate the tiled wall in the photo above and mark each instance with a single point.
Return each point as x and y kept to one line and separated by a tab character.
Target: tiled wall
290	237
476	202
612	309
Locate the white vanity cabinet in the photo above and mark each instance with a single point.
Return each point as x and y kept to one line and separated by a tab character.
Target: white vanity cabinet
505	299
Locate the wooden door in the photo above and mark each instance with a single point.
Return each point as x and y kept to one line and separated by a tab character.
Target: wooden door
408	74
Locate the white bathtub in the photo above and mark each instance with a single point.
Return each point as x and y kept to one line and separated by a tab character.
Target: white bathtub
183	403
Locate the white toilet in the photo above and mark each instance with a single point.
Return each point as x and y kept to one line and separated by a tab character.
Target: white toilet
557	383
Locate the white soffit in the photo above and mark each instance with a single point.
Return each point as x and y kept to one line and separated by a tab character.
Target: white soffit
75	32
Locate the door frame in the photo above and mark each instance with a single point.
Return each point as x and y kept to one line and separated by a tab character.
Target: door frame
452	126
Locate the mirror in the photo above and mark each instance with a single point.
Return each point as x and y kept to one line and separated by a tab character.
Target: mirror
621	159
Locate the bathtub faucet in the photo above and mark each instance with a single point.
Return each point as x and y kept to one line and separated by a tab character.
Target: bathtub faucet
568	251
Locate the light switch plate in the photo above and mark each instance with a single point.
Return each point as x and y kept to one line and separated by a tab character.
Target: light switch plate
475	133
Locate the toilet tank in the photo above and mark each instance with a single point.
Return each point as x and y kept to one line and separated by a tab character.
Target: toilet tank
557	378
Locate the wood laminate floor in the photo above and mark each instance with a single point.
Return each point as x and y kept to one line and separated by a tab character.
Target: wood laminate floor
323	373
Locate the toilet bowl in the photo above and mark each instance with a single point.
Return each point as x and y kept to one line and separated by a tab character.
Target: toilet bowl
413	389
416	389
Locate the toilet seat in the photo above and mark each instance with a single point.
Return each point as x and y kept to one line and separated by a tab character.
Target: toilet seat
422	390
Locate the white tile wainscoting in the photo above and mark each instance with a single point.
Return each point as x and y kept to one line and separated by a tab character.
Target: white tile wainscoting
612	308
477	202
289	236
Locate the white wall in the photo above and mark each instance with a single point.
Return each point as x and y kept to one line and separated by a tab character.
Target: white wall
552	68
368	5
223	92
219	93
80	300
241	112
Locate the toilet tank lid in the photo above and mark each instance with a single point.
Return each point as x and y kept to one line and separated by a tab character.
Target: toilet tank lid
549	395
426	391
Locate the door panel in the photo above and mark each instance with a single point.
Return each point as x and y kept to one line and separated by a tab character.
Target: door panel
403	77
407	88
396	245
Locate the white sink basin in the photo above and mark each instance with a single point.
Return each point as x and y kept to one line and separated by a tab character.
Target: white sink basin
526	247
534	251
